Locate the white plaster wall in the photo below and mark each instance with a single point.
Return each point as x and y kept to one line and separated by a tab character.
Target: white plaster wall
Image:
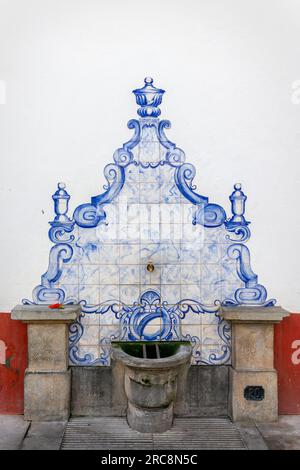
67	68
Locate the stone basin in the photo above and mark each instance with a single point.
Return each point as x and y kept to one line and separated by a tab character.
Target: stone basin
151	371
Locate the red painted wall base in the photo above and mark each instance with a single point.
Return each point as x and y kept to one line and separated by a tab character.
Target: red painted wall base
13	362
287	363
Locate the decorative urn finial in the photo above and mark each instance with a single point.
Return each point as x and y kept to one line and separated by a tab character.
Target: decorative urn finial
237	199
61	204
148	98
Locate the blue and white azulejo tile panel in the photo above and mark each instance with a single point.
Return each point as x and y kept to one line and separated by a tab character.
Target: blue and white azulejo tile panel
149	212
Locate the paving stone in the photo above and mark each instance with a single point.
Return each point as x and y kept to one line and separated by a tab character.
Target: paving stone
283	435
12	431
44	436
252	437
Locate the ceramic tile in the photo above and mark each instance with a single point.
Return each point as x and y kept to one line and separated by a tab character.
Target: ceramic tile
89	293
109	232
130	213
190	233
150	175
129	293
129	253
90	335
147	277
191	317
129	274
89	274
108	254
218	234
210	293
229	273
87	253
69	274
129	193
189	331
189	274
71	291
191	291
149	152
210	253
150	214
170	293
133	174
108	332
129	233
87	237
150	233
170	274
149	193
92	351
156	275
108	315
228	291
90	319
112	212
108	292
170	213
170	253
150	252
169	193
210	274
214	354
187	213
109	274
171	233
190	253
210	319
210	335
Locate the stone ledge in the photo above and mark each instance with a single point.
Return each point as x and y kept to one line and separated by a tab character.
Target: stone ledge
42	313
253	314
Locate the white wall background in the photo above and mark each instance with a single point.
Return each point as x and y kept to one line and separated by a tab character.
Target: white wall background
68	67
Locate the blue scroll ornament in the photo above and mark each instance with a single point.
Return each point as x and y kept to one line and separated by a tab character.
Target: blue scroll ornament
253	293
91	214
46	293
208	215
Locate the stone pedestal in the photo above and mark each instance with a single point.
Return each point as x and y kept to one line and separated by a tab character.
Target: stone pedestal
253	379
47	379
